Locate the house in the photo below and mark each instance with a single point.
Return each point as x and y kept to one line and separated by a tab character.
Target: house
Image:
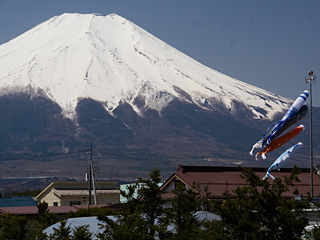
218	179
76	193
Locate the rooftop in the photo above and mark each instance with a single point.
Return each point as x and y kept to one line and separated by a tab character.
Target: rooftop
218	179
33	210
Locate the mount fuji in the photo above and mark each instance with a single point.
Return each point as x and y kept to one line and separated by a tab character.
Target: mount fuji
77	79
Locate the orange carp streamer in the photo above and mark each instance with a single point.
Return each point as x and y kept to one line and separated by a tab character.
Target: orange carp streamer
280	141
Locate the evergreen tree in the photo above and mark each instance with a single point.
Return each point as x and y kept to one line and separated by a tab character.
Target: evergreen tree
37	224
182	214
35	230
13	227
81	233
44	217
257	210
42	208
89	212
315	234
141	213
62	232
130	225
260	211
212	230
150	203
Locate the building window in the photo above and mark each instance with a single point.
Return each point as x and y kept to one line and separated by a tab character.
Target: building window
74	203
55	204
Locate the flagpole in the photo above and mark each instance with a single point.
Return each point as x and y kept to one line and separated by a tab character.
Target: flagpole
310	79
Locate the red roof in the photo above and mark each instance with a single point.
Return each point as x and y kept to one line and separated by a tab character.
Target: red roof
52	209
218	179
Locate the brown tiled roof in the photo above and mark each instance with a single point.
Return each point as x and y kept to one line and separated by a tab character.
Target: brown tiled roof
20	210
218	179
52	209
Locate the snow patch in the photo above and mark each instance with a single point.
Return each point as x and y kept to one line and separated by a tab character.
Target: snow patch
111	60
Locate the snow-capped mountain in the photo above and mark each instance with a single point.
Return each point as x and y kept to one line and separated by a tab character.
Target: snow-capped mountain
111	60
78	79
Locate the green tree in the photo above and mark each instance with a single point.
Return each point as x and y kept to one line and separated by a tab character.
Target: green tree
42	208
13	227
181	215
139	216
44	216
129	225
35	230
37	224
260	211
314	234
81	233
62	232
88	212
150	203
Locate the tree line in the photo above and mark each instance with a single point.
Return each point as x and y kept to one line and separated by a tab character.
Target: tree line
257	210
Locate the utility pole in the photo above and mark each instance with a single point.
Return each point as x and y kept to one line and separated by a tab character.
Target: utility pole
90	174
310	79
92	183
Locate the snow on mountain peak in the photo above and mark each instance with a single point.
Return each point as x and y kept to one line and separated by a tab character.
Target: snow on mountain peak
111	60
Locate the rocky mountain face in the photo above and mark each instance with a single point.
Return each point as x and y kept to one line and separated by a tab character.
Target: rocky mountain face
77	80
38	141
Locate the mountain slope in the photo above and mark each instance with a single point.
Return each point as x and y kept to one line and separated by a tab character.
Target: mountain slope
37	141
80	79
111	60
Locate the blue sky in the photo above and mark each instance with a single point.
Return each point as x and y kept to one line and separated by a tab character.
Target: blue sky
269	44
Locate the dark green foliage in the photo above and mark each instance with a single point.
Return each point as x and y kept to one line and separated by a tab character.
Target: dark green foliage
13	227
182	214
62	232
150	202
255	211
212	230
35	230
129	227
81	233
42	208
315	233
19	227
141	212
44	217
259	210
89	212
